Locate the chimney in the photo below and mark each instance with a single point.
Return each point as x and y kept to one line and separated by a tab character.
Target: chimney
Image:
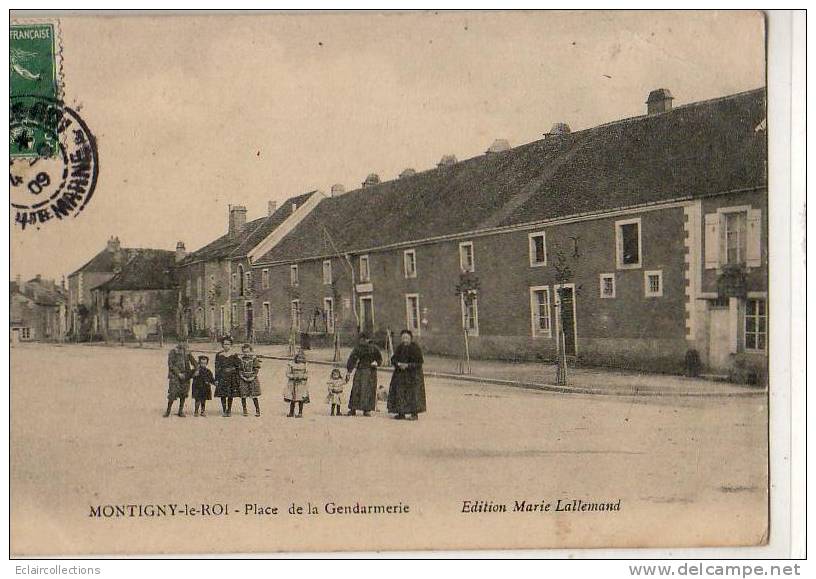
557	130
17	279
498	146
113	244
409	172
237	219
659	101
181	251
337	189
372	179
271	207
294	207
447	161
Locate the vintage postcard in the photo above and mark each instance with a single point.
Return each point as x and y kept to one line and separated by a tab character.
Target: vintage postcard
388	281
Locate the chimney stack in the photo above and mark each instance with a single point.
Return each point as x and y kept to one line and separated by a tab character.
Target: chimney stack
447	161
337	189
237	219
372	179
498	146
659	101
113	244
181	251
409	172
271	207
557	130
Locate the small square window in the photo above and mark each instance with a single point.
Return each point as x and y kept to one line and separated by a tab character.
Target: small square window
607	288
653	283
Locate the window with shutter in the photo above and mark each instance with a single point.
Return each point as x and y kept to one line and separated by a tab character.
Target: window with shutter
712	240
753	238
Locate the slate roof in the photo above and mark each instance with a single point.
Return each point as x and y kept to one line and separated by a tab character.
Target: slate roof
149	269
252	234
102	262
691	151
41	292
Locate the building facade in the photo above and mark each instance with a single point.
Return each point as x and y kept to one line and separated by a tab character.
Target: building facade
642	243
216	282
37	310
140	301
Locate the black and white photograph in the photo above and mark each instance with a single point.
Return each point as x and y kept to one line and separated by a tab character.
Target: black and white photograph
340	281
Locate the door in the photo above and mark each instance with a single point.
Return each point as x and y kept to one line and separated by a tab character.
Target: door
565	306
367	315
249	320
719	319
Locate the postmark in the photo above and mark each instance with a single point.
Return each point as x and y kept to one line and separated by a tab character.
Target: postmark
58	180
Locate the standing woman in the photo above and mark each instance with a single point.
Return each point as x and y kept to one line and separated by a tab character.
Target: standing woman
364	360
226	376
407	391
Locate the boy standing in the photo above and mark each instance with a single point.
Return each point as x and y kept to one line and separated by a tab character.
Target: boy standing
180	364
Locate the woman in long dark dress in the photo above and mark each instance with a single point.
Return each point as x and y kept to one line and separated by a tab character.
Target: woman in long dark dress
226	376
364	360
406	394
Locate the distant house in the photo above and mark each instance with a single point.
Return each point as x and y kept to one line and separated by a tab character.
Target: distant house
141	297
216	281
99	269
639	243
37	310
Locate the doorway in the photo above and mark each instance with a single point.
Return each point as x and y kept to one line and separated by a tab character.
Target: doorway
249	320
719	319
367	315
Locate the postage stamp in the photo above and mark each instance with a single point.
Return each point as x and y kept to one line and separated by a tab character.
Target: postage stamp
34	72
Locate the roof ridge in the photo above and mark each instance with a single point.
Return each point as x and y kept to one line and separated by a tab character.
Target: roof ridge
686	106
625	120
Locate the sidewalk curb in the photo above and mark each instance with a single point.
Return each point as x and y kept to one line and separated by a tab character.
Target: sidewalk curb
747	393
553	387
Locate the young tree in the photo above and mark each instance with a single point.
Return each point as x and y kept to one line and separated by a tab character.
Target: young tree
564	275
466	290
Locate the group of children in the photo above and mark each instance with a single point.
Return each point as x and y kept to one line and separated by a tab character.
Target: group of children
236	376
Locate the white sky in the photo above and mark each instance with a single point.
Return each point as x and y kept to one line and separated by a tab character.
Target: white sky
194	113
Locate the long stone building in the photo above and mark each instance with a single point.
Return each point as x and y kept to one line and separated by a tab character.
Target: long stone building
643	242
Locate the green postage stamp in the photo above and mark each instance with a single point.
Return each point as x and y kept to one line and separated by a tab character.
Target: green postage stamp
33	76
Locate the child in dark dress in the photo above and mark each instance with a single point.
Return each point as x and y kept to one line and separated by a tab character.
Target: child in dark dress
202	381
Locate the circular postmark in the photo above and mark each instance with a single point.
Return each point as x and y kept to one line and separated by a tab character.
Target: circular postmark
53	174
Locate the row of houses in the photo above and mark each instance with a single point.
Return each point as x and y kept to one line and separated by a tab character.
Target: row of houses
37	310
643	242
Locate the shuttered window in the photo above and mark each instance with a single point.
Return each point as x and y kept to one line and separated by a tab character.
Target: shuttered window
733	236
